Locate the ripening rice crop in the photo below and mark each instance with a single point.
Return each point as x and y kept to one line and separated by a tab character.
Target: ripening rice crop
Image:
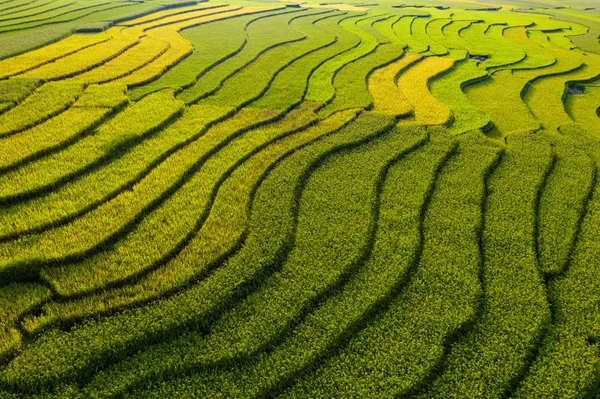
85	59
414	84
136	57
46	101
387	98
297	200
50	53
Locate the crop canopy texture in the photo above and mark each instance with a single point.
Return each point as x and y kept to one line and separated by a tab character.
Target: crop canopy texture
201	199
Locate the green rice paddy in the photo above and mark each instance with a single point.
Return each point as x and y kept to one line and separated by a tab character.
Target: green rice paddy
300	200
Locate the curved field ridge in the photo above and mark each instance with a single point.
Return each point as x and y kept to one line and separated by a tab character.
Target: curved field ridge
201	199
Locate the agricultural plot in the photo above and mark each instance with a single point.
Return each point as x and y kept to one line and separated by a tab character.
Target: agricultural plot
276	199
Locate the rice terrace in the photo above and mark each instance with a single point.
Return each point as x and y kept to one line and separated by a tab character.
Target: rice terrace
247	199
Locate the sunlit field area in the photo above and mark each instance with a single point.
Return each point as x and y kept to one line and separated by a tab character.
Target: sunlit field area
256	199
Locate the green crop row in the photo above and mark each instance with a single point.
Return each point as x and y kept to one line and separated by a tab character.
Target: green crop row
383	29
161	236
77	197
5	106
263	316
435	287
180	19
586	40
84	59
561	205
561	39
137	57
516	91
274	368
351	83
21	7
489	40
280	92
227	40
105	96
51	8
179	48
445	31
49	53
251	80
403	30
43	139
357	43
122	131
536	56
15	90
566	365
545	97
280	95
380	28
134	163
240	224
114	216
419	33
291	84
40	9
112	338
338	194
484	362
62	16
130	53
203	250
28	39
585	109
262	35
449	89
169	13
181	166
232	84
508	111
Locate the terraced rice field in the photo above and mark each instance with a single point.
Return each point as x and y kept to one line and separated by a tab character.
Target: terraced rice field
273	199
